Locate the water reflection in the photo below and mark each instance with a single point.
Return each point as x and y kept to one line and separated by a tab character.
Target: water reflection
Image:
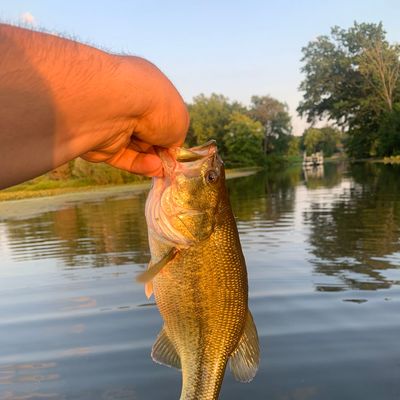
352	235
350	218
328	175
110	232
315	172
264	197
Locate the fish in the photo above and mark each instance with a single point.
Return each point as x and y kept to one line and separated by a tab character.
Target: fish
198	275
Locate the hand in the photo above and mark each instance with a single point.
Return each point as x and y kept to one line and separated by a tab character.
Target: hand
100	106
163	121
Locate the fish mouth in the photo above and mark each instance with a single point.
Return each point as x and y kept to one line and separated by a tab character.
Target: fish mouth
196	153
161	207
184	159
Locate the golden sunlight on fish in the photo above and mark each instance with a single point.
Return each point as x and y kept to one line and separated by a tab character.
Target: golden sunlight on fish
198	274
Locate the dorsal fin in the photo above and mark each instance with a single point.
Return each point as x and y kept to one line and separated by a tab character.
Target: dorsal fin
164	352
245	359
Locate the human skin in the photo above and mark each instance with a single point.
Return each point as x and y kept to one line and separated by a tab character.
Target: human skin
60	99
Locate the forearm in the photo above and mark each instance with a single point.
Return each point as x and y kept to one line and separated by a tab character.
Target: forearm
58	100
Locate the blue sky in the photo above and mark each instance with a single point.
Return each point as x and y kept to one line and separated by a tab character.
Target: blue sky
236	48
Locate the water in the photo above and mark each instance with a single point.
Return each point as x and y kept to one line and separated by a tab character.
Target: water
323	256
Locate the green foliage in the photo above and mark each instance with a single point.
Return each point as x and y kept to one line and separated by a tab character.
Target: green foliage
77	174
208	118
352	78
276	122
243	135
243	141
388	143
275	162
326	139
312	139
293	150
360	143
101	174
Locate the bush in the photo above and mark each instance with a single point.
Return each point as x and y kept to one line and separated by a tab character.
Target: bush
243	141
101	174
389	133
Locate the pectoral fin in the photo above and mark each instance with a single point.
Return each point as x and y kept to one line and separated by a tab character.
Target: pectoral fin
164	352
245	359
154	269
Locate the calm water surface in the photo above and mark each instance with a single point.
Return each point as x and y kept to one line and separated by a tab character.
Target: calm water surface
323	256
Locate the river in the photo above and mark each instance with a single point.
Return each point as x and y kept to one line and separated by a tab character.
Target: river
323	257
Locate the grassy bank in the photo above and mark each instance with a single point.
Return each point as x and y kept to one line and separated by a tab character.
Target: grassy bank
77	175
44	186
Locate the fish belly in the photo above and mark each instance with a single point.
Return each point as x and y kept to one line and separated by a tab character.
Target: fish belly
202	297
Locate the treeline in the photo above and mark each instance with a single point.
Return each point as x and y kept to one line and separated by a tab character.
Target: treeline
257	135
246	136
352	79
260	134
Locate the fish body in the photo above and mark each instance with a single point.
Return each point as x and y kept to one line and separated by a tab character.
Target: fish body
201	287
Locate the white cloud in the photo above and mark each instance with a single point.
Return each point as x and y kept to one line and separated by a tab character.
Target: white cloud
27	18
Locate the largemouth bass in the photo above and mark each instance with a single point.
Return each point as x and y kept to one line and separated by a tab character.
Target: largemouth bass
198	274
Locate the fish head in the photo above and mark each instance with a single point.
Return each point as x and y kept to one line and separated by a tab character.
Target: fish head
183	205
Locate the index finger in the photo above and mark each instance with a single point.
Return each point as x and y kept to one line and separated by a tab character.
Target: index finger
141	160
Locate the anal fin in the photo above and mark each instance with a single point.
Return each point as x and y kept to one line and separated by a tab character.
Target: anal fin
164	352
245	359
148	289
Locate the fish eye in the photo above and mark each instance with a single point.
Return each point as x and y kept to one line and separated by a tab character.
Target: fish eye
211	176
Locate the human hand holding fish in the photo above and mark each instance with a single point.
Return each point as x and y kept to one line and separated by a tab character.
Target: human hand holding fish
60	99
198	274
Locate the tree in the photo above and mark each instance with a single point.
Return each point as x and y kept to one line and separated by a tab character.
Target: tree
294	146
275	119
208	118
312	138
380	66
351	78
243	141
326	139
332	140
389	133
243	135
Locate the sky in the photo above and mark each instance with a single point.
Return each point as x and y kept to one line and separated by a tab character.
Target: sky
235	48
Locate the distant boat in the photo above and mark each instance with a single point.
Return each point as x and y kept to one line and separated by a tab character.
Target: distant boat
314	160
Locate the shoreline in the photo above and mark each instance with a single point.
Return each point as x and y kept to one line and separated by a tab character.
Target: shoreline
30	206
